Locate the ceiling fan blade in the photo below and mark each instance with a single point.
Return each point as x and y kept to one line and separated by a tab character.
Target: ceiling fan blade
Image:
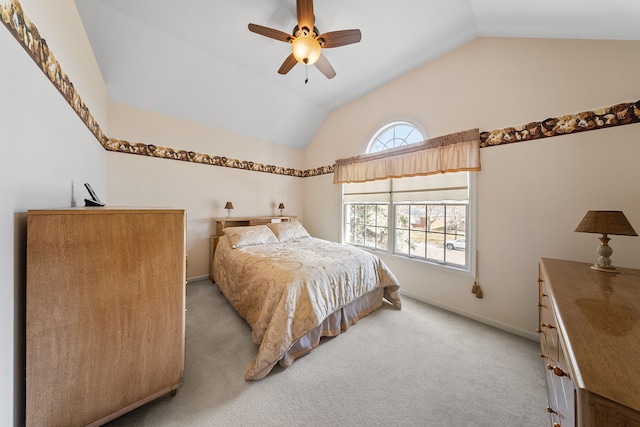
339	38
288	64
270	32
325	67
304	9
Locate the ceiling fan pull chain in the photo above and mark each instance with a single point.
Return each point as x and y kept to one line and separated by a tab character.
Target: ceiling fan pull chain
306	74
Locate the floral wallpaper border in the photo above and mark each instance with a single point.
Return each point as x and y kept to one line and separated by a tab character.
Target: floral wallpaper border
26	32
616	115
123	146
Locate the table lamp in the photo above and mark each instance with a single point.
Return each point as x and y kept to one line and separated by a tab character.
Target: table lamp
228	206
281	207
605	222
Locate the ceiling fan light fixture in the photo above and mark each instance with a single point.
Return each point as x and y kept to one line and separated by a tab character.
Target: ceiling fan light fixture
307	42
306	50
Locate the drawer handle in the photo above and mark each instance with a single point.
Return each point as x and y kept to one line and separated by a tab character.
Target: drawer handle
551	411
543	295
557	425
542	305
557	371
543	356
540	280
547	325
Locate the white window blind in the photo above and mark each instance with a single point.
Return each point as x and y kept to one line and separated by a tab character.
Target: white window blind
442	187
432	188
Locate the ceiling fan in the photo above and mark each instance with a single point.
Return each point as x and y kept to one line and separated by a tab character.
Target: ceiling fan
307	42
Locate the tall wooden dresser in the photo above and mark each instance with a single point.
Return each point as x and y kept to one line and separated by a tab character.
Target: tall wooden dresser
590	340
105	307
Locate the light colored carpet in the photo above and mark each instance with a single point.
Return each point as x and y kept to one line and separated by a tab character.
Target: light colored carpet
421	366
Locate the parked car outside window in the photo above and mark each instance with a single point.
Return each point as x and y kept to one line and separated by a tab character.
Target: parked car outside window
457	244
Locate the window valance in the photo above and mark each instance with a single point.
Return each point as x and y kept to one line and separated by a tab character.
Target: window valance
449	153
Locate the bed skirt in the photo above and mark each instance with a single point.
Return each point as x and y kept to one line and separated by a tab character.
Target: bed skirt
337	322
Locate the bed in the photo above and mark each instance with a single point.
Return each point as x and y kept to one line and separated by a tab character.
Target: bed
293	289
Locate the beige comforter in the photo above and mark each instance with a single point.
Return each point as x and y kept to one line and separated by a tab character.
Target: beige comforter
286	289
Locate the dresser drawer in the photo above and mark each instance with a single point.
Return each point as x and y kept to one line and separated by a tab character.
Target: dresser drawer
547	326
560	388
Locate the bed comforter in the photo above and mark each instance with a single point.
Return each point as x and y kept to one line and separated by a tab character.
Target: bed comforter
285	290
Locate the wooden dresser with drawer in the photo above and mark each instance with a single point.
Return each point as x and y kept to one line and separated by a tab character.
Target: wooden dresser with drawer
105	312
590	343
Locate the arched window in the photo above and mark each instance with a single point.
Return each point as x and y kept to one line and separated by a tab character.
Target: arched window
423	217
394	135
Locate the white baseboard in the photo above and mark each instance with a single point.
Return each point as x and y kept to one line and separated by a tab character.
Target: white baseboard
482	319
196	278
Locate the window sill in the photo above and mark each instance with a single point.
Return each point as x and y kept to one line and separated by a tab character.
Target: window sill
462	270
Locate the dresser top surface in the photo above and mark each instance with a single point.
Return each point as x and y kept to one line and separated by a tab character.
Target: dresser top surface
83	210
599	318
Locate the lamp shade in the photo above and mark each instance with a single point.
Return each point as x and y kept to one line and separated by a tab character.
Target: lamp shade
228	205
606	222
306	50
281	206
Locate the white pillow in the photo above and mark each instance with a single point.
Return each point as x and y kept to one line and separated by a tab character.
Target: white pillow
250	235
288	230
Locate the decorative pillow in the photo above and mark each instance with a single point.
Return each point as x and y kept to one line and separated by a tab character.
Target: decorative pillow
249	235
288	230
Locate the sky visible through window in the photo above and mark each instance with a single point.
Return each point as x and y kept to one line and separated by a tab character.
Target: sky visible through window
395	135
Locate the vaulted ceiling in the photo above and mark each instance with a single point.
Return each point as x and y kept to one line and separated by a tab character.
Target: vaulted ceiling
197	60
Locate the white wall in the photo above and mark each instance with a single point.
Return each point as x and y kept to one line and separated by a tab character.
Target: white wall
47	154
200	189
531	195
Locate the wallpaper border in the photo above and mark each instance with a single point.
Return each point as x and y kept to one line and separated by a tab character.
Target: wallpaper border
123	146
27	34
616	115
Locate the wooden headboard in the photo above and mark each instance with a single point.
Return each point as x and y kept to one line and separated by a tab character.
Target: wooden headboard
234	221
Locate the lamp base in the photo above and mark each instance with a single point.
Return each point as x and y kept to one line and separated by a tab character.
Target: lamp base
605	270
